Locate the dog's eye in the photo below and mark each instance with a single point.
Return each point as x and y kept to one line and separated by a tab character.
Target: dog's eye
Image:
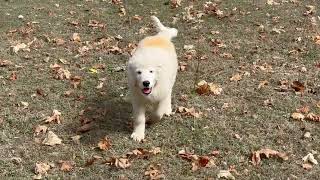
139	72
151	71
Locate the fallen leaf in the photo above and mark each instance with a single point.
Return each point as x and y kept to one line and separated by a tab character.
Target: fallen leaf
54	118
236	77
304	109
104	144
122	11
118	162
58	41
13	76
66	166
24	104
155	150
91	161
76	139
196	161
313	117
154	172
18	47
42	168
208	88
100	85
51	139
175	3
76	37
297	116
211	8
310	158
40	129
298	86
225	174
85	128
307	166
75	81
262	84
272	2
257	155
189	111
4	63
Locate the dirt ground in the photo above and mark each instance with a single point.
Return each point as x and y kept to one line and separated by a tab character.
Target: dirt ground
70	56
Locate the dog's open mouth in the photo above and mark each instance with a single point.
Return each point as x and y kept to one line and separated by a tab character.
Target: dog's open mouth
146	91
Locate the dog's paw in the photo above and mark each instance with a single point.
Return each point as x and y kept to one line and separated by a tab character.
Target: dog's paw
168	112
137	136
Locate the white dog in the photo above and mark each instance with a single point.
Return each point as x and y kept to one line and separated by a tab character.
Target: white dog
152	71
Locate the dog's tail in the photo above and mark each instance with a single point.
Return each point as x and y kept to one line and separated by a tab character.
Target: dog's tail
165	31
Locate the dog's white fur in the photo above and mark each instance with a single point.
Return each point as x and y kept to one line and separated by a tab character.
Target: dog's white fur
154	60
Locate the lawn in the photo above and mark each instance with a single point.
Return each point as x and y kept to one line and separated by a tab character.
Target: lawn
64	62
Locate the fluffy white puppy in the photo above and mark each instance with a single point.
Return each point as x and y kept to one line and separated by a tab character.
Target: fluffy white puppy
152	71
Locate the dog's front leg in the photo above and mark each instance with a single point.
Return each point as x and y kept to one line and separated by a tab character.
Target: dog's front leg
163	108
139	120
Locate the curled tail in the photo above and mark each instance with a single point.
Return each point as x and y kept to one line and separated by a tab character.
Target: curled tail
163	30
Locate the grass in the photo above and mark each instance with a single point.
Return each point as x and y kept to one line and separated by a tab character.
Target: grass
258	125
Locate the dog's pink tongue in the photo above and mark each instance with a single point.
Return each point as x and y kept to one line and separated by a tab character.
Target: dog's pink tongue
146	90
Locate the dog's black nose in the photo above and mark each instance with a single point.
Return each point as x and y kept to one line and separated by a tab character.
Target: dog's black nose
146	83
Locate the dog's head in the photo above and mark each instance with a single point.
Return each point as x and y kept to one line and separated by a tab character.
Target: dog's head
144	77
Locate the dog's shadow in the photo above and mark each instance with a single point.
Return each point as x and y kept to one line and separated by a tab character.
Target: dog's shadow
108	115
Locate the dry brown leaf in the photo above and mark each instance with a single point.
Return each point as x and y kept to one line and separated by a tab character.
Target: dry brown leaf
236	77
100	85
155	150
66	166
317	39
208	88
304	109
76	37
262	84
95	24
122	11
91	161
18	47
42	168
51	139
196	161
183	66
76	139
4	63
40	129
225	174
75	81
13	76
58	41
104	144
310	158
272	2
118	162
298	86
54	118
154	172
297	116
189	111
211	8
137	17
175	3
313	117
257	155
85	128
307	166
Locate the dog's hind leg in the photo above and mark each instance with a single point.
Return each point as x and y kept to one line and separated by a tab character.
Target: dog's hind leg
138	121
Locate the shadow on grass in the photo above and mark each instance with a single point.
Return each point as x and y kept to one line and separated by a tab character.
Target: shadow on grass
110	116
